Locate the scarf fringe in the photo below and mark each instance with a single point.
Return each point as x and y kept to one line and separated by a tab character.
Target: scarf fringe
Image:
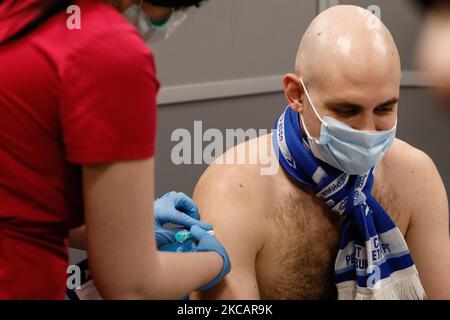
407	288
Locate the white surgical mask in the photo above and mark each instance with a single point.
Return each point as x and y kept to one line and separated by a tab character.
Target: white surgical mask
352	151
149	31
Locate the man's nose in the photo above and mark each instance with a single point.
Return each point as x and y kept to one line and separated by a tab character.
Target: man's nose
366	123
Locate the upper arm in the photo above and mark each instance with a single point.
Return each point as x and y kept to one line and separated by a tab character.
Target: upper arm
428	231
108	123
119	225
226	200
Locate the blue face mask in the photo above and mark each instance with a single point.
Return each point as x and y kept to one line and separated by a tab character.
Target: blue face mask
351	151
151	32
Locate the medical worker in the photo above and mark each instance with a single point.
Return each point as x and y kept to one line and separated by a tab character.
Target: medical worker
77	147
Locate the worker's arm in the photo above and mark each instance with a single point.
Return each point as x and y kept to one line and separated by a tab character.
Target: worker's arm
224	199
121	243
428	232
172	208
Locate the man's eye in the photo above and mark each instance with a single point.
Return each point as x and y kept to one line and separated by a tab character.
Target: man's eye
386	109
348	112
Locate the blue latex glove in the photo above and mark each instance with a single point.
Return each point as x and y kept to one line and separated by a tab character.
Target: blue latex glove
175	208
207	243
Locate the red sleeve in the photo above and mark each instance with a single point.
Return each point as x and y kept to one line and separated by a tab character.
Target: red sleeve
108	99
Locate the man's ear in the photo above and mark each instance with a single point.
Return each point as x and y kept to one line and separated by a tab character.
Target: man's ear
293	92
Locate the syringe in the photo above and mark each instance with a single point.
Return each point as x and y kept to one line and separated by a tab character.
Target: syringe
183	235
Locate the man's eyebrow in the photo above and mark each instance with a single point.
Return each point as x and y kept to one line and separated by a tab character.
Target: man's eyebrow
351	105
388	103
342	105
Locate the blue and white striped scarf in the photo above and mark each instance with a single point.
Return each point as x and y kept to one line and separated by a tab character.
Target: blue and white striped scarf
373	261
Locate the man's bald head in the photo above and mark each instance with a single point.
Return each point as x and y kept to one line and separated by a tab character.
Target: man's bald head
350	42
350	65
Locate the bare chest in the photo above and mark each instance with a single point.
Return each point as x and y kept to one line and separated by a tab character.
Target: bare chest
298	256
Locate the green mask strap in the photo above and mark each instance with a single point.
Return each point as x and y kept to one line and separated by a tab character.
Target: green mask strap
158	25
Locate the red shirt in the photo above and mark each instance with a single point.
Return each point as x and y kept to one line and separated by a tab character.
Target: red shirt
67	98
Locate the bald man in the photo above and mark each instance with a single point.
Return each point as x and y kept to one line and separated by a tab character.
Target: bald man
281	239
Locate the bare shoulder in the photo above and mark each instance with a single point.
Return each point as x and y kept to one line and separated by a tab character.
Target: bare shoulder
234	192
412	172
238	176
408	163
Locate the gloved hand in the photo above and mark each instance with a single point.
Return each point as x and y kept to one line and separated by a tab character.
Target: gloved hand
207	243
175	208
